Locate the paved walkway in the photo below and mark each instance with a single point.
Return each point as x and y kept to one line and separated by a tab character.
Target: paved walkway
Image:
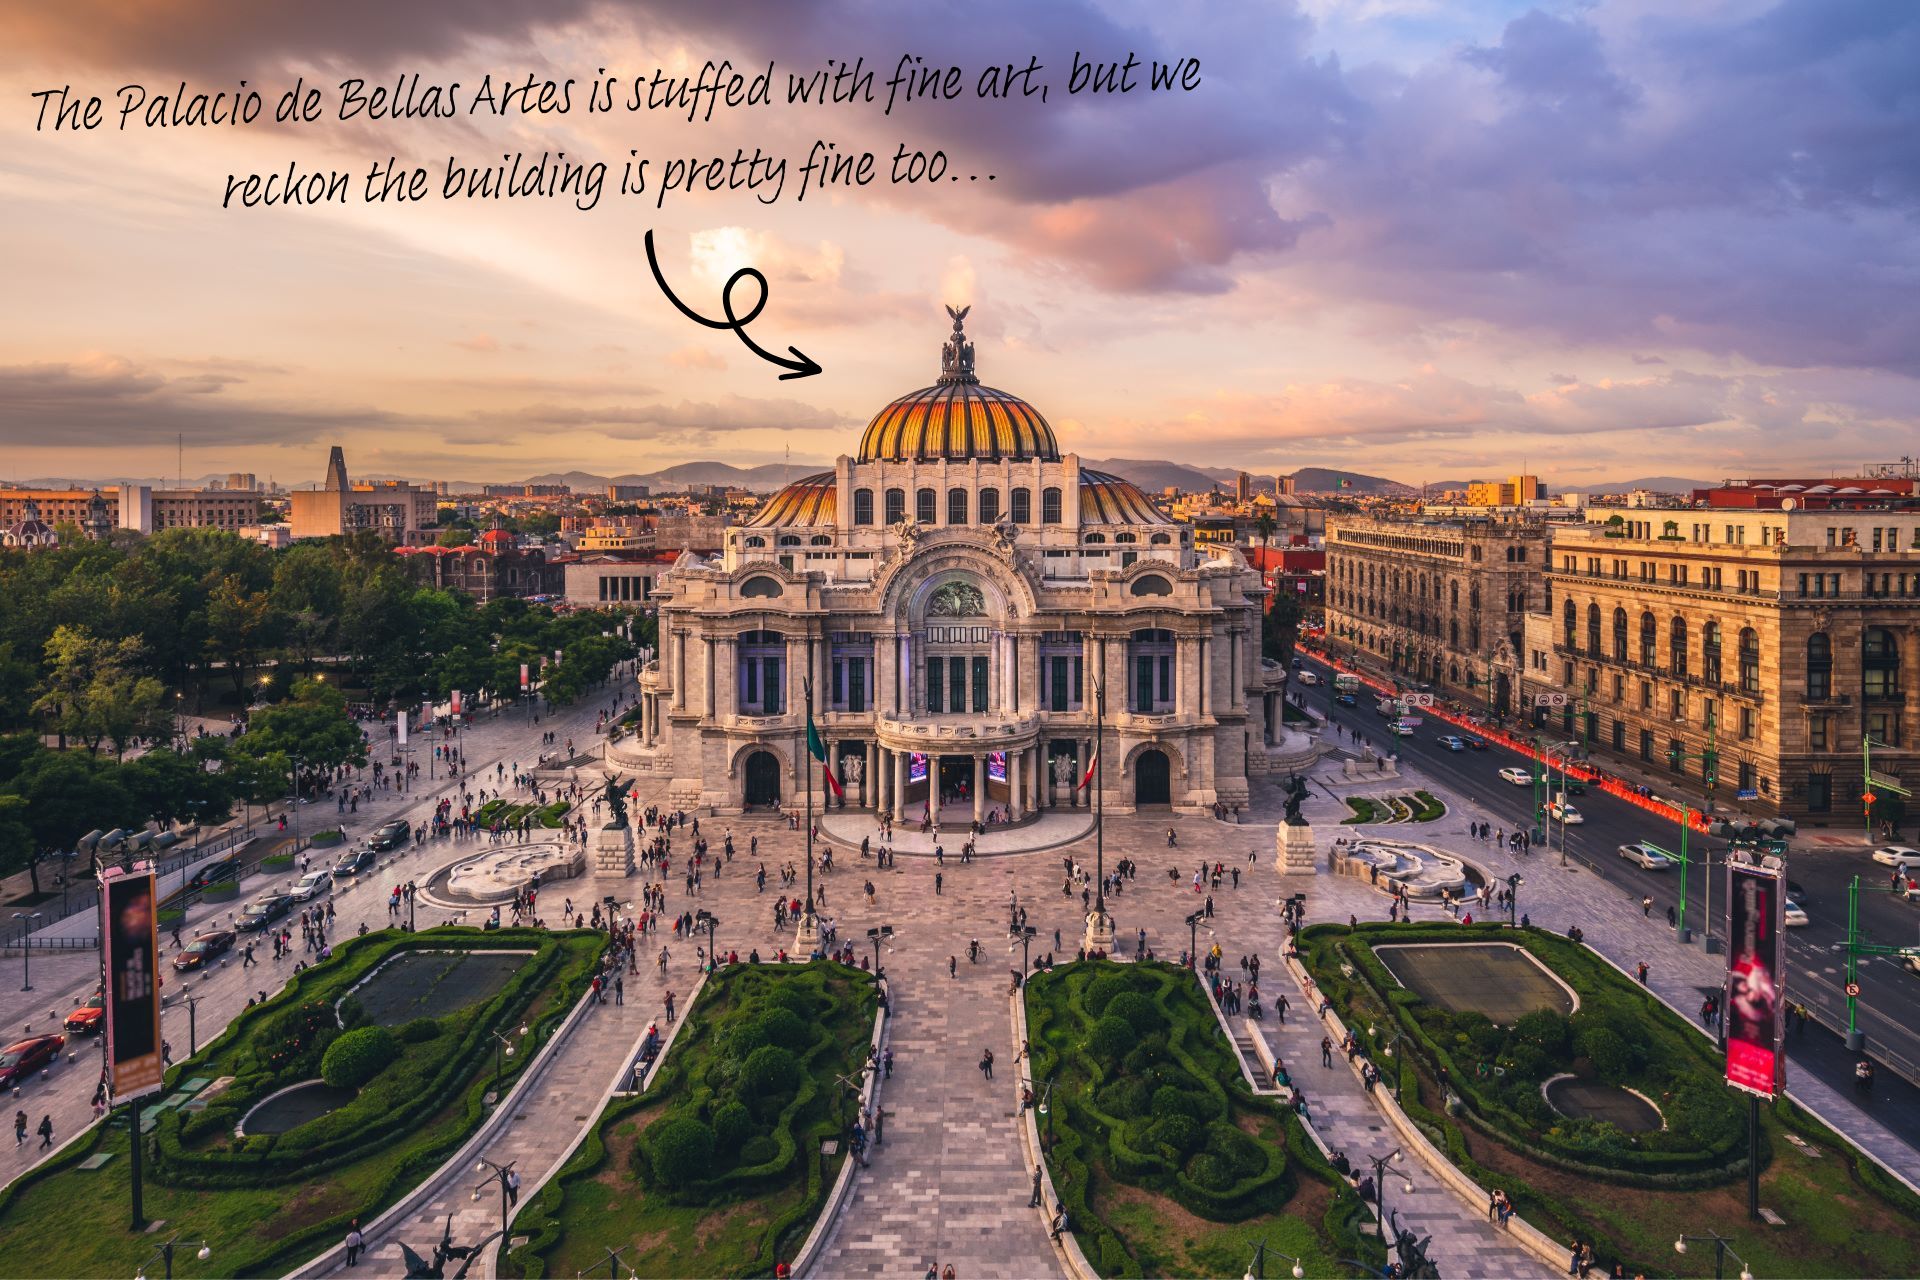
1048	831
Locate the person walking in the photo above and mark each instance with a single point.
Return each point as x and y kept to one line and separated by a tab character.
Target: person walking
1646	906
19	1128
1326	1051
953	966
986	1063
355	1243
1034	1202
1641	971
46	1132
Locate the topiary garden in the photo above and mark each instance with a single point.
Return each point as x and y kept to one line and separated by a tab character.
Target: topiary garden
716	1169
267	1202
1169	1165
1477	1089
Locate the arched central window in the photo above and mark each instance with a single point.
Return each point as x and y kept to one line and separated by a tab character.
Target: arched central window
896	505
925	506
1749	660
989	506
1879	664
956	600
1649	639
760	659
863	506
1677	646
1593	629
1569	623
1049	506
1020	510
956	506
1710	652
1819	667
1619	635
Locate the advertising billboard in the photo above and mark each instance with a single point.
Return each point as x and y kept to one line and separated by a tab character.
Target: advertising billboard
917	766
1756	972
997	765
129	961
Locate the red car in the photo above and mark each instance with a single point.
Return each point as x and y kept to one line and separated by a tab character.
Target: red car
86	1020
20	1060
203	948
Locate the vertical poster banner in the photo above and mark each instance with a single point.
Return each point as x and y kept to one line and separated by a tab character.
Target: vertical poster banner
129	960
426	714
453	706
401	726
1755	999
524	686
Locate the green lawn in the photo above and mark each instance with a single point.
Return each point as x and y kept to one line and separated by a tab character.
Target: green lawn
1426	807
1364	810
715	1170
1169	1165
266	1203
1630	1194
510	813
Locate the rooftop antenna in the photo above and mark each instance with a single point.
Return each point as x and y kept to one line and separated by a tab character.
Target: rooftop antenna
179	460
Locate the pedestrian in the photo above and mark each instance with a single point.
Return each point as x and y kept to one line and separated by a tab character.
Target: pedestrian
355	1243
1326	1051
1034	1202
619	989
986	1063
1642	972
46	1132
1646	905
939	878
19	1128
953	966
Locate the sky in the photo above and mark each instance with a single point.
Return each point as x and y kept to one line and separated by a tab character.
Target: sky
1426	239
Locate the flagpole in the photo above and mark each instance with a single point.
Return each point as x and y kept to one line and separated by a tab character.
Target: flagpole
809	934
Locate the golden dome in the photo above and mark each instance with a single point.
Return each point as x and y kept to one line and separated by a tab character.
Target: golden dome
958	418
811	500
1108	499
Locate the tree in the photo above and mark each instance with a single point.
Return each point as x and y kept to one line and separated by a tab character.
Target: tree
239	623
16	838
312	727
87	681
1280	626
455	537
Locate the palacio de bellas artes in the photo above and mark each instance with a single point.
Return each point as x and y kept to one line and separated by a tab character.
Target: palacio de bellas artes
963	597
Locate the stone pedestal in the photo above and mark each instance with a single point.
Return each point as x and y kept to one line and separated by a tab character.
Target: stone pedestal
806	939
613	851
1294	850
1099	935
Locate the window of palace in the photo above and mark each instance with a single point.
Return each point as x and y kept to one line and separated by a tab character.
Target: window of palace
863	506
756	542
1819	667
1749	660
896	505
958	643
989	506
790	540
1880	664
1061	659
1150	655
1020	506
956	506
760	588
1049	506
761	660
925	506
851	671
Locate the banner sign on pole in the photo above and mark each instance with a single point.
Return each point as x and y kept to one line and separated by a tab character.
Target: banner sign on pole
400	723
523	677
130	951
1755	995
455	704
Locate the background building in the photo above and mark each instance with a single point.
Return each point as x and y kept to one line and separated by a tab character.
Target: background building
399	511
1512	492
141	508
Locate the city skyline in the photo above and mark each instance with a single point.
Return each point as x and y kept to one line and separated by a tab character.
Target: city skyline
1416	241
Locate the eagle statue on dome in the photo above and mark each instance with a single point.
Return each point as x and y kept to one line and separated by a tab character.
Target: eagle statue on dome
956	354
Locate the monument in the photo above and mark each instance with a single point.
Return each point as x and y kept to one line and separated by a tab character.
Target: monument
613	853
1293	846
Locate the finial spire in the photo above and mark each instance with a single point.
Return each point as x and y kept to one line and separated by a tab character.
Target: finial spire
956	354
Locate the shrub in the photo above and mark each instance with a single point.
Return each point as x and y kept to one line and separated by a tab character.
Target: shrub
770	1071
1101	991
1171	1101
792	997
681	1151
1236	1149
1128	1099
732	1125
787	1029
1140	1012
1544	1029
1210	1171
1110	1038
745	1038
357	1057
758	1149
1612	1059
420	1030
1180	1134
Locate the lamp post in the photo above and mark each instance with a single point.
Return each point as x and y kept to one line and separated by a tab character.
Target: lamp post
1514	882
1386	1051
193	1036
503	1176
294	762
502	1050
1686	826
1023	934
807	937
164	1253
1193	940
877	935
26	945
613	1260
1099	935
1043	1106
1257	1269
705	919
1722	1250
1380	1163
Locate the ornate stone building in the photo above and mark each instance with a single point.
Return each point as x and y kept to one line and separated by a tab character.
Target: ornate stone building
1437	600
956	591
1748	649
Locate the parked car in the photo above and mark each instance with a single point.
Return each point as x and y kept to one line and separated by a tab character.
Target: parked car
1452	742
354	862
1346	700
1475	744
1401	728
1564	814
391	836
1517	776
264	911
1649	857
1905	857
1307	678
202	949
87	1018
311	885
1794	915
19	1060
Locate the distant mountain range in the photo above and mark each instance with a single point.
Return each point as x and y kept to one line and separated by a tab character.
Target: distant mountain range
1655	484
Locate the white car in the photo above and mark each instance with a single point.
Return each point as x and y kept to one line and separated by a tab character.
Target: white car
1306	677
1794	915
1453	742
1905	857
1517	776
1648	857
1565	814
311	885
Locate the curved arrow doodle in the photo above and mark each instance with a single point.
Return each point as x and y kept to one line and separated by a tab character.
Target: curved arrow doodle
801	366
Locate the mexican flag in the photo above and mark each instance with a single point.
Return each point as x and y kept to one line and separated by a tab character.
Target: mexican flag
817	748
1086	779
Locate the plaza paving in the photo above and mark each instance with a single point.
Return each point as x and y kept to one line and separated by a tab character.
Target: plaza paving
947	1185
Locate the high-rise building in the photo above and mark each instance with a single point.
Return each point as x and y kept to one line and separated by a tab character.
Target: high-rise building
627	492
1756	651
242	480
1514	491
397	510
1243	488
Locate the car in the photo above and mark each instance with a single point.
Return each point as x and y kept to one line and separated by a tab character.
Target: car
1794	915
202	949
1346	700
391	836
1401	728
354	862
89	1017
311	885
1307	678
264	911
1452	742
1517	776
1565	814
22	1058
1904	857
1648	857
216	872
1474	744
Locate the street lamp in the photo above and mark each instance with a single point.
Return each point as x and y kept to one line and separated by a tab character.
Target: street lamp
877	935
1380	1163
705	919
502	1050
1099	925
1257	1269
1043	1106
193	1005
507	1180
1722	1250
1193	939
1514	882
165	1254
1710	758
1023	934
1386	1051
26	946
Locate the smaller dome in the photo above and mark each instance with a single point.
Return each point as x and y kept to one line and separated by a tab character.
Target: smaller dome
1108	499
496	538
811	500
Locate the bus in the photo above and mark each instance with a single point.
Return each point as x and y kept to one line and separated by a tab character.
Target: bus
1346	682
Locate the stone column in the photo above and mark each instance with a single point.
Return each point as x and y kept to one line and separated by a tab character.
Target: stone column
1202	676
870	779
979	787
899	786
680	670
1040	798
710	682
1016	774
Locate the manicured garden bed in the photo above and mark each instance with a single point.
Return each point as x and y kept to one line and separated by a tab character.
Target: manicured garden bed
269	1201
1363	810
508	813
716	1169
1169	1165
1476	1089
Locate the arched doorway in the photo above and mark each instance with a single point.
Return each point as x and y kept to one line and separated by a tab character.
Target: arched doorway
1502	694
763	780
1152	778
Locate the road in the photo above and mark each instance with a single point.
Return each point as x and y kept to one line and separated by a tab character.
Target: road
1889	1006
